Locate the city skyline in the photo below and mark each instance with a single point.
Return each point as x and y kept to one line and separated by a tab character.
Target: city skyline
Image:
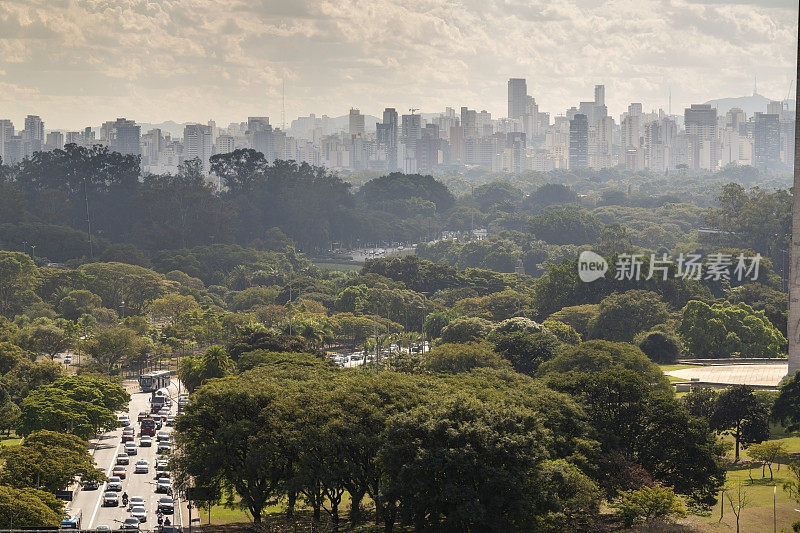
85	64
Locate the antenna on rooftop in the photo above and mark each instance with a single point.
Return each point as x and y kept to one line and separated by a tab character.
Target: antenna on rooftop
414	109
283	104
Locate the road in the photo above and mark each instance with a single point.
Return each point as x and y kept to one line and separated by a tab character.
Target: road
89	502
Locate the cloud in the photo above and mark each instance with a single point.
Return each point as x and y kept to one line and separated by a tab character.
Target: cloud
94	60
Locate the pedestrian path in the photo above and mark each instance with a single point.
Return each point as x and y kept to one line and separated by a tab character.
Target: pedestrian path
743	374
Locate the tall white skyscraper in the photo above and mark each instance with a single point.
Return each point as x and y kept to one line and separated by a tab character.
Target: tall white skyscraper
197	144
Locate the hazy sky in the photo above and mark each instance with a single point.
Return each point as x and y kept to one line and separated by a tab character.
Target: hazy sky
80	62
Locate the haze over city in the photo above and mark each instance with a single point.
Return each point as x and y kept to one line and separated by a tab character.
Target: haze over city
80	63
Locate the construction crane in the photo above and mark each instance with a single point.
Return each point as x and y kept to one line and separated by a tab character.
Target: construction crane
788	94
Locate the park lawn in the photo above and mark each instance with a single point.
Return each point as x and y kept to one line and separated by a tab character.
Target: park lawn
10	441
221	515
670	368
343	267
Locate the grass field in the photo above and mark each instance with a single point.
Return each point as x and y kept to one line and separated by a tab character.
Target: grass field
343	267
10	441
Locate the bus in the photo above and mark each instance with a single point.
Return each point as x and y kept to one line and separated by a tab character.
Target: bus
154	380
71	521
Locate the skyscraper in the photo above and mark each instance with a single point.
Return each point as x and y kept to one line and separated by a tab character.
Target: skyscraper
197	144
386	135
766	140
34	128
579	142
700	121
356	123
125	137
599	95
6	133
517	97
411	134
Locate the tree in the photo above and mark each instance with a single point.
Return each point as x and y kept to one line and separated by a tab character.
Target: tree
648	504
170	306
195	370
457	358
622	315
18	278
526	350
462	330
786	408
29	508
550	194
563	332
565	226
661	347
229	432
113	346
77	303
460	464
739	499
726	330
738	412
766	453
48	461
79	405
49	339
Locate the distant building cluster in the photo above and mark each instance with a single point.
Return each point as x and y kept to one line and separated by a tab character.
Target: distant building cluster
527	139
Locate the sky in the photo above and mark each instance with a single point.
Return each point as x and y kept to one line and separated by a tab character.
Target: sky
81	62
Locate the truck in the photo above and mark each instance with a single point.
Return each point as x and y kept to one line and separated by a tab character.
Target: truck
148	426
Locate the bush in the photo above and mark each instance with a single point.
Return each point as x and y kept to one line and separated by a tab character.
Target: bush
468	329
660	347
648	504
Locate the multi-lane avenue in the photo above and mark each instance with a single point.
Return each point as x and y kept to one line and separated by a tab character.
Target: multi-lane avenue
89	503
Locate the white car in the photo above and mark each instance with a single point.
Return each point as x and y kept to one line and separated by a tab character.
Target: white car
124	420
145	441
110	499
114	484
123	459
142	467
162	436
102	528
135	501
140	513
130	448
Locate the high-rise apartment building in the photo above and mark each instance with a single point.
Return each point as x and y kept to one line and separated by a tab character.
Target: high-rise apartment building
579	141
517	97
700	121
34	129
356	123
6	133
410	135
766	140
386	136
125	137
197	144
225	144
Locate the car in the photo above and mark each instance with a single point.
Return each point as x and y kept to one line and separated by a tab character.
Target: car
123	459
135	501
102	528
119	471
164	447
130	448
114	484
140	513
128	437
90	485
171	420
130	523
145	442
170	529
166	505
142	415
110	499
123	420
67	360
162	436
163	485
142	467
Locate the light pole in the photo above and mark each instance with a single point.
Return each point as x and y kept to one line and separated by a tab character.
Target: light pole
774	513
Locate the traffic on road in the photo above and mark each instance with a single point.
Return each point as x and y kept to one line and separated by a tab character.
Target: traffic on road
139	494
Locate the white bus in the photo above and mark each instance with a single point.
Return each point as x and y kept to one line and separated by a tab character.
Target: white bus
154	380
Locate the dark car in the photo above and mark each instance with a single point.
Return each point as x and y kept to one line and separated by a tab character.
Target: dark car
166	505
